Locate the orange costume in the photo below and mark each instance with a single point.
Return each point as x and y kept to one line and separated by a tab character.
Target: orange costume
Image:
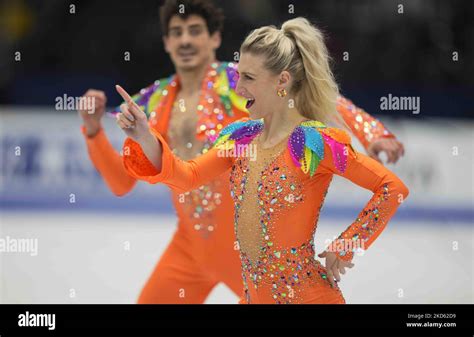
203	251
278	193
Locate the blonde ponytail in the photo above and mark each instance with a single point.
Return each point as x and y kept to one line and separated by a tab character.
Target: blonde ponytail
299	48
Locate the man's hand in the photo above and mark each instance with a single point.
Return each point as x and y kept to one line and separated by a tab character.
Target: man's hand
391	146
335	266
92	118
132	120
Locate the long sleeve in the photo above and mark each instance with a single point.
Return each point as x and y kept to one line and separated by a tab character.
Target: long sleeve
365	127
389	192
176	173
109	163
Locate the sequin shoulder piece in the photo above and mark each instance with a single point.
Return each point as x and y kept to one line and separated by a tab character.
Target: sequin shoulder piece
306	146
148	97
239	133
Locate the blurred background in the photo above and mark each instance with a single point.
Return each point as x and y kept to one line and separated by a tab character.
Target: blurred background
101	249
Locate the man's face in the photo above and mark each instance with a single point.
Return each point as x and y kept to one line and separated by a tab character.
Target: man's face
188	42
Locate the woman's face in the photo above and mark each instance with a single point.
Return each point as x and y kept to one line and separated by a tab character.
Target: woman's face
258	85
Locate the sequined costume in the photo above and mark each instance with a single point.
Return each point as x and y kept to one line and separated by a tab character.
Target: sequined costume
365	127
203	251
278	195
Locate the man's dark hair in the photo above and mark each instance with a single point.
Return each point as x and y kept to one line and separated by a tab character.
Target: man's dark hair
213	15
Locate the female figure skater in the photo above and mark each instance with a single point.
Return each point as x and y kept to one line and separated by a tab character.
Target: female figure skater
290	90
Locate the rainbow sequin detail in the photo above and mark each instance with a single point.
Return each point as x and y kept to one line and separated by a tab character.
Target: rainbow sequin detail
305	144
221	78
148	98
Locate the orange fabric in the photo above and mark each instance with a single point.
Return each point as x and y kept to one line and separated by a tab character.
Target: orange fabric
183	277
208	236
365	127
287	265
109	163
179	175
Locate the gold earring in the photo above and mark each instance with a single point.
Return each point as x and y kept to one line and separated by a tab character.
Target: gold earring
281	93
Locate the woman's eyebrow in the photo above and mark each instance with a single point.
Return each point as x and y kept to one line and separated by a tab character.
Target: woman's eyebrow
245	73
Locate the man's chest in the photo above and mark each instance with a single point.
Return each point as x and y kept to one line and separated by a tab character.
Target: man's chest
182	129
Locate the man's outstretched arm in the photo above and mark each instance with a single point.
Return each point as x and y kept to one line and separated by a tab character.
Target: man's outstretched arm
104	157
372	134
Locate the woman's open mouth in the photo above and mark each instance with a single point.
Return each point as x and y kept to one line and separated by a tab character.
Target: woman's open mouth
250	102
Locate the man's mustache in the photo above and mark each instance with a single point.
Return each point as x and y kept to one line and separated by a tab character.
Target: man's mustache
186	49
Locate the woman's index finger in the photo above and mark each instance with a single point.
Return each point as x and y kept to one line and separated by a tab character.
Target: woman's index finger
133	107
126	97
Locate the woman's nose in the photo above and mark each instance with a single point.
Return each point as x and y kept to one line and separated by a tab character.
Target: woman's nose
238	88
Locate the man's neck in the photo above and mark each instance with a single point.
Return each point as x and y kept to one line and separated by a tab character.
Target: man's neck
190	80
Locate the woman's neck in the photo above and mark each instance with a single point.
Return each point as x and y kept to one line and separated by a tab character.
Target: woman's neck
279	125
